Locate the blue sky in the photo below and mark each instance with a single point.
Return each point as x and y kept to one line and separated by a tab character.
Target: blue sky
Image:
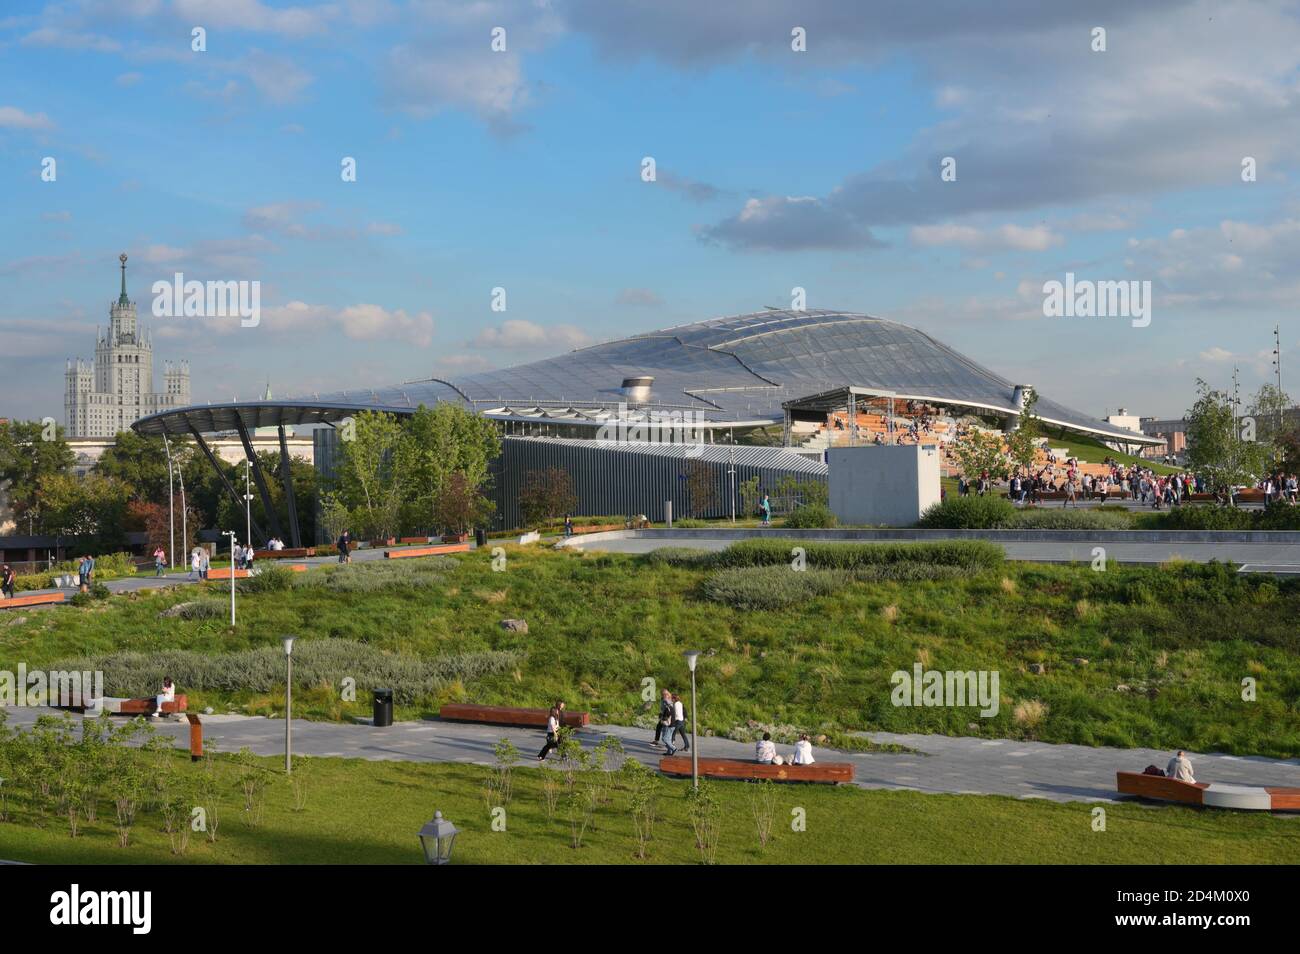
775	169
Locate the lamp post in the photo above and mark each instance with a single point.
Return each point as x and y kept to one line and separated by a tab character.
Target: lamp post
436	838
248	504
232	535
287	642
691	656
171	501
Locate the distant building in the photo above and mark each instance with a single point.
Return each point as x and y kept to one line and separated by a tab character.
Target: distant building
115	391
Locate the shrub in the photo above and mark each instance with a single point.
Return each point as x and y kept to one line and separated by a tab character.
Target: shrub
1061	518
680	556
811	516
268	579
691	523
375	575
316	661
968	513
771	587
197	609
974	554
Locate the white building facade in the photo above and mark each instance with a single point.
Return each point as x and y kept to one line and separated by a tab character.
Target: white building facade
107	396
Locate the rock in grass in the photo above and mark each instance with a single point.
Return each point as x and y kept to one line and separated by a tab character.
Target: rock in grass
514	625
1038	669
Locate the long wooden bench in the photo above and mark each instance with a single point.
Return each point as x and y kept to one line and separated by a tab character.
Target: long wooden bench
406	540
33	599
1210	795
833	773
288	553
507	715
223	573
426	551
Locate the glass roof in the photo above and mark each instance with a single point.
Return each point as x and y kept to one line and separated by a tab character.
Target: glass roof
730	370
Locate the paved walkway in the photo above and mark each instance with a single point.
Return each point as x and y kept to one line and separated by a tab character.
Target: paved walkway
1061	773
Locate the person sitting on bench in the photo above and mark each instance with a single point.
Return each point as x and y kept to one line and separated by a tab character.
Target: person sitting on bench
802	752
764	750
1180	768
168	694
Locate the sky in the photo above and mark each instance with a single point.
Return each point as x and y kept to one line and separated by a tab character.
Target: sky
523	168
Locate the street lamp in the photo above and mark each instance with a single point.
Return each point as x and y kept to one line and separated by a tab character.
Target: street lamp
248	504
691	656
436	838
232	535
287	642
171	501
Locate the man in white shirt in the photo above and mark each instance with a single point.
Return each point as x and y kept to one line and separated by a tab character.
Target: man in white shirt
1180	768
764	750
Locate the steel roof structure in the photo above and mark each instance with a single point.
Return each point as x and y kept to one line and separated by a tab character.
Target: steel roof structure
734	372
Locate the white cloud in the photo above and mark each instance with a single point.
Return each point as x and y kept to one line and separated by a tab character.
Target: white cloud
1036	238
11	117
517	333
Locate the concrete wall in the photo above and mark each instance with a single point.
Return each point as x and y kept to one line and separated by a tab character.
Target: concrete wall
882	484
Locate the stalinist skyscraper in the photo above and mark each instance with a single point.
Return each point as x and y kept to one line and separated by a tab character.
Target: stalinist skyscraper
106	397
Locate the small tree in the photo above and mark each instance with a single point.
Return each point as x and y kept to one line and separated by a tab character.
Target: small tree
701	488
1022	443
643	795
460	507
546	495
706	820
506	754
1215	446
762	802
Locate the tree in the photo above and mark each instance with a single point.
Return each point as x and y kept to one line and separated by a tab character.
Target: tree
701	488
1022	443
436	442
230	512
92	508
29	453
546	494
1267	413
460	506
366	477
1215	447
978	451
140	463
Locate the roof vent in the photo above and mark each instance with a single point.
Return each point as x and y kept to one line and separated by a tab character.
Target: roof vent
637	389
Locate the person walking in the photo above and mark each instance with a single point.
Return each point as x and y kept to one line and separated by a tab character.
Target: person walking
205	563
766	507
159	561
666	727
84	571
7	580
679	723
552	730
196	564
345	547
665	713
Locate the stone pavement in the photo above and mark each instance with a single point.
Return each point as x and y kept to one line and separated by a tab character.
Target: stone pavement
1061	773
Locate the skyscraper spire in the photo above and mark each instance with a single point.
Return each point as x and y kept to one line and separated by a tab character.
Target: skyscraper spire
122	299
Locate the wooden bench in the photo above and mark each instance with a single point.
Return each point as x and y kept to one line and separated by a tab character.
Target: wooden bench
1208	795
406	540
598	528
426	551
224	572
297	567
832	773
145	706
506	715
288	553
33	599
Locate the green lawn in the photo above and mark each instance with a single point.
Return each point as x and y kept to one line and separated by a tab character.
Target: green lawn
368	813
1167	648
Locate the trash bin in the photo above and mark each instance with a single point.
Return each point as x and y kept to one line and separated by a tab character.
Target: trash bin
383	707
480	537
